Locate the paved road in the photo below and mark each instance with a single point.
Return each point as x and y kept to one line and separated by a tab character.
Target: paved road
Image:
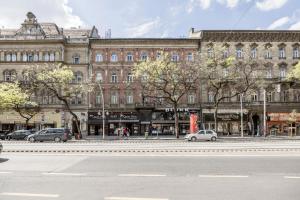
149	177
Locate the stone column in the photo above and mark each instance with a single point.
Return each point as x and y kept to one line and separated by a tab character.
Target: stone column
19	58
57	58
40	56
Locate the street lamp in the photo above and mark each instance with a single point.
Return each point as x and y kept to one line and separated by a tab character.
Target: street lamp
242	127
103	113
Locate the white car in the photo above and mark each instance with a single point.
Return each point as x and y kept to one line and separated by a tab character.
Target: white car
202	135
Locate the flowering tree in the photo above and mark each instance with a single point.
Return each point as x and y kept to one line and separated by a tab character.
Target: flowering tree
167	80
57	80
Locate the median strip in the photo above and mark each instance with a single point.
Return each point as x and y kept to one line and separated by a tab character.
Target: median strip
292	177
29	195
223	176
64	174
131	198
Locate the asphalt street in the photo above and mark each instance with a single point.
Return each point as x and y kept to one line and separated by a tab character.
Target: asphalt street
149	177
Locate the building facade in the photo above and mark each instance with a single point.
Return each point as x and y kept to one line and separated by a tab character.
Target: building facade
108	63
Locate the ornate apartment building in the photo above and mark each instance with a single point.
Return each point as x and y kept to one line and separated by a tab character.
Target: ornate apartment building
37	43
109	62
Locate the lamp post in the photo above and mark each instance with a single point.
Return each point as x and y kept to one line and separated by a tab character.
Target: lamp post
242	127
265	113
103	113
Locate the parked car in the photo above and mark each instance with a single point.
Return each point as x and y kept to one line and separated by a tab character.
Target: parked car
19	134
51	134
202	135
3	135
1	147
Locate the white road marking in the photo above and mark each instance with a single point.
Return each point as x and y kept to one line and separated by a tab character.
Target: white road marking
292	177
223	176
29	195
130	198
5	172
143	175
64	174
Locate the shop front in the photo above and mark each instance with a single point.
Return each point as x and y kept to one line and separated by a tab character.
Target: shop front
113	122
229	123
285	124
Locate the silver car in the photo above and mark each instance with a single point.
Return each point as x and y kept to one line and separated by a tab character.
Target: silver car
202	135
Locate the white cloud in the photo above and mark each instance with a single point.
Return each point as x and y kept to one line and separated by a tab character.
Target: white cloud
266	5
204	4
279	23
56	11
144	28
229	3
295	26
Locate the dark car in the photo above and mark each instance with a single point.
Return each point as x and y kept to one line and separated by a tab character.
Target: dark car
19	135
3	135
1	147
51	134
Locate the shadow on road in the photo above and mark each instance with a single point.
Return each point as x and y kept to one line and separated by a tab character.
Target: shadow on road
3	160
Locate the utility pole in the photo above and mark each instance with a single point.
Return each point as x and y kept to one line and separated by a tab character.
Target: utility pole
103	113
265	113
242	127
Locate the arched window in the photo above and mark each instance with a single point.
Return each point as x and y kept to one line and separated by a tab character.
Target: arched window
8	57
114	57
99	57
14	57
281	53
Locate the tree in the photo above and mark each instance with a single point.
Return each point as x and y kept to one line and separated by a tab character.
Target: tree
57	80
167	80
10	95
226	77
27	110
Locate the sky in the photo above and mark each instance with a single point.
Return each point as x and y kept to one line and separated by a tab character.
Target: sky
156	18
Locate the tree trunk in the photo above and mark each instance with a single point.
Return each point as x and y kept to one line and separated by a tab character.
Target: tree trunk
77	135
176	122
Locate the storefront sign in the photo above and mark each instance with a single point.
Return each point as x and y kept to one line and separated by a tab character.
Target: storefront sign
114	116
284	116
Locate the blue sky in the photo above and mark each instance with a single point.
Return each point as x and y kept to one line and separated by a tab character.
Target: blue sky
156	18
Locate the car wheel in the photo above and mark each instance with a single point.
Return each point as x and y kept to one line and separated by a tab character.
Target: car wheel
213	139
193	139
57	139
32	139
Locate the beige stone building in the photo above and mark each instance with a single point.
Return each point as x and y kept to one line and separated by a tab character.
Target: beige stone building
37	43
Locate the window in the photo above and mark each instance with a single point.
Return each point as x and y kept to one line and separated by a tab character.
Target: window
114	57
190	57
269	73
129	57
285	96
175	57
129	98
8	57
191	98
76	59
209	52
77	77
99	57
271	96
98	98
158	55
24	57
210	97
14	57
99	77
30	57
254	97
282	72
253	52
296	52
239	52
114	77
114	97
129	78
225	72
226	53
79	99
9	75
281	53
268	54
52	57
35	57
144	56
47	57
